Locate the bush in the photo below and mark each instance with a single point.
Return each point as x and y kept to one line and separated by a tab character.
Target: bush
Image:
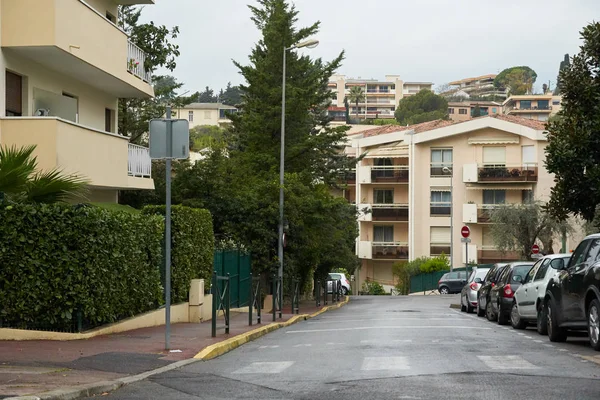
439	263
60	260
192	250
404	270
373	288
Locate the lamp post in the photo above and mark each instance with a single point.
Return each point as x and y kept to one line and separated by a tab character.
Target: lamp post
311	44
448	170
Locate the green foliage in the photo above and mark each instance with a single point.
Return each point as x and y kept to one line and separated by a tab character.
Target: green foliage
564	64
573	151
518	80
356	95
434	264
59	259
116	207
192	249
404	270
422	107
204	136
372	288
232	96
19	181
379	121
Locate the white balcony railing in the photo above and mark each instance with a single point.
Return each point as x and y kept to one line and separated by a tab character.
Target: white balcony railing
139	162
136	58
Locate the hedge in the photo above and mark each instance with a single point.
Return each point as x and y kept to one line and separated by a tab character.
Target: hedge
59	261
192	241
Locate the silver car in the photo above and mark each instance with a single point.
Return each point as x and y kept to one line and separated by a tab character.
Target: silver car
468	294
529	297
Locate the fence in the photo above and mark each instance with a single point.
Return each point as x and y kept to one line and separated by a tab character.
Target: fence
426	282
238	265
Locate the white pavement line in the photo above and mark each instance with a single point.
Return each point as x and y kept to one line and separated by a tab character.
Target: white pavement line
389	319
265	367
520	333
402	341
549	345
303	345
538	341
506	362
364	328
335	344
269	347
563	350
384	363
528	337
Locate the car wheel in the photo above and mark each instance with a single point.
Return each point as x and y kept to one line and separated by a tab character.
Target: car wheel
463	308
502	318
489	313
542	322
444	290
594	324
344	291
470	308
515	319
480	311
555	333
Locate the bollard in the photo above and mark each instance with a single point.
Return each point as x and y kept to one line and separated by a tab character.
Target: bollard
274	288
318	292
228	303
213	290
250	301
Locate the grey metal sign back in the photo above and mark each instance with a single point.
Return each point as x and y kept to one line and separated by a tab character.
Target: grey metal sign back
180	139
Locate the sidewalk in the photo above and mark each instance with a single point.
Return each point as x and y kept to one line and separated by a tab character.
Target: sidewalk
28	367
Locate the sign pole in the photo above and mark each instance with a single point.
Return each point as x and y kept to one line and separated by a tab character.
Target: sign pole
467	258
168	231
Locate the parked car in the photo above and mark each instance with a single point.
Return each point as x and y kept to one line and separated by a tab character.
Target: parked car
452	282
528	299
572	298
342	277
483	294
468	295
503	292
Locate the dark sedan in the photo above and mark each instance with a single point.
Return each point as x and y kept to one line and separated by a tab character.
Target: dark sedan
483	294
502	294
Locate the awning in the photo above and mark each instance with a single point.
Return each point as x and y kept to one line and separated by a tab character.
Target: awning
394	150
497	140
499	187
440	189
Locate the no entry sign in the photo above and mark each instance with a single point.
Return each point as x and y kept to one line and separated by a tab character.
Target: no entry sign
535	249
465	231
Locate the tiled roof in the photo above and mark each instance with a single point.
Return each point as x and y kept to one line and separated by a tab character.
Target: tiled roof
530	123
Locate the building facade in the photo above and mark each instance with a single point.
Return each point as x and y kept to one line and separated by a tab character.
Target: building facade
381	97
478	86
200	114
65	64
533	106
417	186
466	110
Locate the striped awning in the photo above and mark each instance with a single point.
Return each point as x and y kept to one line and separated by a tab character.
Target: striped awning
499	187
394	150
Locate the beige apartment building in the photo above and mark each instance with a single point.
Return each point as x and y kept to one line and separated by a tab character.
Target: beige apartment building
417	185
475	87
381	97
65	64
533	106
199	114
464	111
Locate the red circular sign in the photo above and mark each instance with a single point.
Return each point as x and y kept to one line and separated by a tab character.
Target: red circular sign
535	249
465	231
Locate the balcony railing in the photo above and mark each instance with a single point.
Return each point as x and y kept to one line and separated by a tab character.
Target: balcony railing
139	162
484	212
348	177
440	209
389	173
389	212
507	173
490	254
436	249
136	58
390	250
441	169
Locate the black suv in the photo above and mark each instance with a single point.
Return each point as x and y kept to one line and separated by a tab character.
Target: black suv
452	282
483	294
572	298
501	296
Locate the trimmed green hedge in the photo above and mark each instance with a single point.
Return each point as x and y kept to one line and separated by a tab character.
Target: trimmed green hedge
58	261
192	248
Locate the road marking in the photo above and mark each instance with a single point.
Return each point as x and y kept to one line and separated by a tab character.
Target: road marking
269	347
384	363
335	344
506	362
265	368
528	337
389	319
538	341
549	345
402	341
520	333
363	328
563	350
303	345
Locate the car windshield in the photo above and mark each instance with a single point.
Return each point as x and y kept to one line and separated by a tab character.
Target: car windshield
521	271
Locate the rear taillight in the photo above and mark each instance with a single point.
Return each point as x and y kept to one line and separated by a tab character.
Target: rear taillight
493	284
473	286
508	292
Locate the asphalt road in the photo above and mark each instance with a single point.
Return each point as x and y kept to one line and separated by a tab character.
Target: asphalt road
388	348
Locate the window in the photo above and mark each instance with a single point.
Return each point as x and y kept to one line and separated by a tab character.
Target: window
383	233
109	117
206	114
525	105
579	253
494	110
450	110
384	172
494	155
14	95
190	116
532	271
383	89
494	196
439	235
393	87
385	196
543	104
440	159
541	272
452	275
487	239
593	251
462	111
441	202
527	196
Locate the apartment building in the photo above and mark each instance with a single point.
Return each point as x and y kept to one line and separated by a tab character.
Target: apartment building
533	106
198	114
65	64
417	185
478	86
381	97
466	110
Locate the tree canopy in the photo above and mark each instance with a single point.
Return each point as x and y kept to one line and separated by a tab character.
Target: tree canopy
356	95
518	80
573	151
564	64
422	107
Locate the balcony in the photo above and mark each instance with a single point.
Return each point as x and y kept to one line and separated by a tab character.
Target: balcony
389	174
73	39
507	173
106	160
490	255
436	249
348	177
543	109
389	212
390	251
440	169
440	209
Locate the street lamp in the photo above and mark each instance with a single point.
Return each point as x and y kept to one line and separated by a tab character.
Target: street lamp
311	44
448	170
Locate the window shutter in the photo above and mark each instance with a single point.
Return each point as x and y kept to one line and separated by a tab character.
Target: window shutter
494	155
14	94
440	234
528	155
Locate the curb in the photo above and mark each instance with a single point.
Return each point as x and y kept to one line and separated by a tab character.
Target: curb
210	352
456	306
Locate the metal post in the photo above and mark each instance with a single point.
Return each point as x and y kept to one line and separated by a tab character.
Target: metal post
318	292
467	258
281	170
213	290
168	232
274	285
228	298
280	297
452	219
259	302
250	301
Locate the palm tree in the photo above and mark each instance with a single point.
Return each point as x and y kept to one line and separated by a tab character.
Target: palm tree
356	95
19	181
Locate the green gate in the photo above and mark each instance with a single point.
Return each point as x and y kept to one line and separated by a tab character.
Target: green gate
238	265
428	282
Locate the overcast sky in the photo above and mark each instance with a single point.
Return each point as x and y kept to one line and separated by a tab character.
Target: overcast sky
420	40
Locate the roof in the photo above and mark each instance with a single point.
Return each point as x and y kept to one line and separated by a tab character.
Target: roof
476	78
418	83
473	103
209	106
530	123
